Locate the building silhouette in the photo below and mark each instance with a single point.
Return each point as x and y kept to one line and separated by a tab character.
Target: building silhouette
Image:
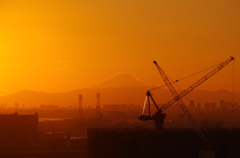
167	143
18	128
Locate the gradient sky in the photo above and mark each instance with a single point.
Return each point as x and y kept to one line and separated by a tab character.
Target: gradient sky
62	45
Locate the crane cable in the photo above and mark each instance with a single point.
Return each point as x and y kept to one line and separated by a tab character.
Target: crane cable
233	96
189	100
233	88
174	82
187	76
153	77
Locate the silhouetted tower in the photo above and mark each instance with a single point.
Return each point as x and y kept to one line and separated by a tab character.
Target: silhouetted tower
80	113
99	115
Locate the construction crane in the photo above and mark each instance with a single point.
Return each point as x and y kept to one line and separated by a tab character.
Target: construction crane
182	105
159	117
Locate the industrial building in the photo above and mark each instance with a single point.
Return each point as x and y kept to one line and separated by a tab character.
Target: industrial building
18	128
167	143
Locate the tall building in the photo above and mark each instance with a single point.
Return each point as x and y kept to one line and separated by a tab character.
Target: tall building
198	105
18	128
223	105
206	106
192	105
210	106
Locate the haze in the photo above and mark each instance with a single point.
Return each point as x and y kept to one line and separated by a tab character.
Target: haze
58	46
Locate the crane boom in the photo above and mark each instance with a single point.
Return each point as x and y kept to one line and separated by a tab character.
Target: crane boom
159	117
182	106
195	85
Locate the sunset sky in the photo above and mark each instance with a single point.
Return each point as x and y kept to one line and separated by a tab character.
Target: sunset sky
63	45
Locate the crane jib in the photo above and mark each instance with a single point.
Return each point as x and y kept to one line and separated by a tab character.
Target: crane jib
195	85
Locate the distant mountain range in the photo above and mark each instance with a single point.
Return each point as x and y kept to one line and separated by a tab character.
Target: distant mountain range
121	89
121	80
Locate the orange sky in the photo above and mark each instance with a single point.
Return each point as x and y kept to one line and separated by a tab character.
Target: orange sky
62	45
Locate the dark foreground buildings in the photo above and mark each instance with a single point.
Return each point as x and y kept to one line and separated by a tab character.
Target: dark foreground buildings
18	128
168	143
20	138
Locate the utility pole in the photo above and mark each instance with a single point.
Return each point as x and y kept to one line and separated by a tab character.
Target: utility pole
98	114
80	113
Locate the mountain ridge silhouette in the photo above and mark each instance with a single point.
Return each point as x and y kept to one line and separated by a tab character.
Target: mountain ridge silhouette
123	94
120	80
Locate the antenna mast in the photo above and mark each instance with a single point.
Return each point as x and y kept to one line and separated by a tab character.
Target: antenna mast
80	113
98	113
